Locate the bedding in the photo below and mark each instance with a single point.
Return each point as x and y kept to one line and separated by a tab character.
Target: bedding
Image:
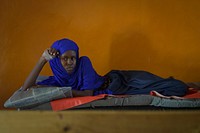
105	101
60	98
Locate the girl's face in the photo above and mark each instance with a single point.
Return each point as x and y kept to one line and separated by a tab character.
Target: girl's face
68	61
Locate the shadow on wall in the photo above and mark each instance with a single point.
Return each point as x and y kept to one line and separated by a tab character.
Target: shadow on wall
131	51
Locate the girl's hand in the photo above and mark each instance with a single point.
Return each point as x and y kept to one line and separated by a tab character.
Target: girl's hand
50	53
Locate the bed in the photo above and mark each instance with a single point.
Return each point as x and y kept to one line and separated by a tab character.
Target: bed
131	102
60	98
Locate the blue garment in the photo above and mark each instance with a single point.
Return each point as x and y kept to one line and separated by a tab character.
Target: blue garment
142	82
84	77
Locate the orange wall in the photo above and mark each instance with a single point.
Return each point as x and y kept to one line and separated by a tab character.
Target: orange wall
158	36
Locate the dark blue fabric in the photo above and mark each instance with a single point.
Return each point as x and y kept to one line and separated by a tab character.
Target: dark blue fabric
84	77
142	82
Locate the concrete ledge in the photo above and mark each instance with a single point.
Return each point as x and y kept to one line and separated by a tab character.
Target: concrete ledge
99	121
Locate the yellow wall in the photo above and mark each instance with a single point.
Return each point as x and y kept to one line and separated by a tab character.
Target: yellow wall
160	36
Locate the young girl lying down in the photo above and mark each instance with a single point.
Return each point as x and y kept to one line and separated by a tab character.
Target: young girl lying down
77	72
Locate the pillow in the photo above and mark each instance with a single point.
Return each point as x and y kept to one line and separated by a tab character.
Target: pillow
37	96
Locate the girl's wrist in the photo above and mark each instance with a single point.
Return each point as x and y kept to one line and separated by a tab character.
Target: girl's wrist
43	60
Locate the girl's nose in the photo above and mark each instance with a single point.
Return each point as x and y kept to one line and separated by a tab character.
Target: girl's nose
69	61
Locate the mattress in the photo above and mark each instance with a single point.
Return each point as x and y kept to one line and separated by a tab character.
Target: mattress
131	102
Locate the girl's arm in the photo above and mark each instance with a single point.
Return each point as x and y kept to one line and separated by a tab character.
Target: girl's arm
31	79
46	56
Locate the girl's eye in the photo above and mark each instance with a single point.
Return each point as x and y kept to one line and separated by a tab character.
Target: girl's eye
64	59
73	58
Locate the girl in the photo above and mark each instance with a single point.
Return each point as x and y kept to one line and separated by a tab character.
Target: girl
77	72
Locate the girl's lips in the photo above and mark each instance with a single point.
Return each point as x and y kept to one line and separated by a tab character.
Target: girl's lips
69	68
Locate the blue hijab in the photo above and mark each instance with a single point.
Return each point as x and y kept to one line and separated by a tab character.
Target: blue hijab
84	77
